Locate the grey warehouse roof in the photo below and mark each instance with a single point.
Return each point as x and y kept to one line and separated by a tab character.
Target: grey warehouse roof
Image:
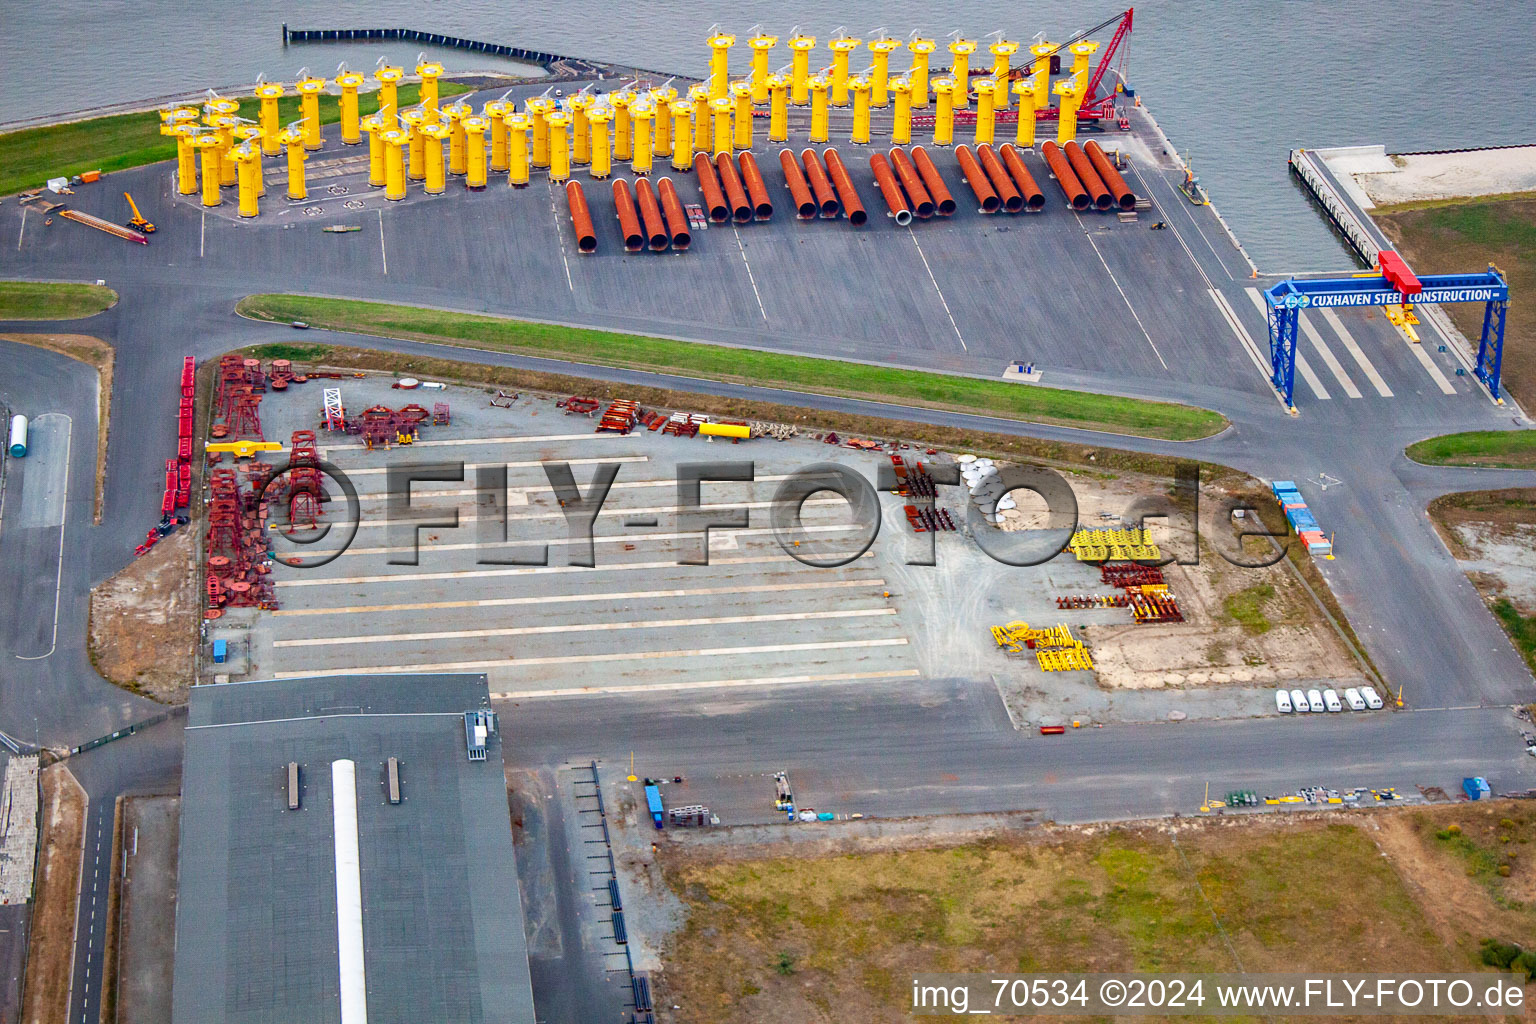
256	919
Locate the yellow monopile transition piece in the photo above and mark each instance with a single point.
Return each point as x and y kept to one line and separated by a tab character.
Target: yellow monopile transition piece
248	160
682	135
720	64
720	110
395	145
414	120
601	163
434	181
703	126
429	71
580	106
741	93
559	127
518	127
1071	92
985	118
859	85
267	95
842	51
624	123
1002	59
309	108
208	147
960	70
250	133
475	128
350	82
293	141
762	46
372	126
1029	101
880	51
778	108
1040	71
662	98
496	112
644	113
819	113
388	78
538	109
800	48
922	51
944	112
901	127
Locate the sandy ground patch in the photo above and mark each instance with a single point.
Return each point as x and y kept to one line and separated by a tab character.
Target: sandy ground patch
49	960
1478	172
95	353
144	621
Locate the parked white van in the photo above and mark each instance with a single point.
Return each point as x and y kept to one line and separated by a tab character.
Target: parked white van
1331	698
1283	702
1315	700
1299	701
1371	700
1354	700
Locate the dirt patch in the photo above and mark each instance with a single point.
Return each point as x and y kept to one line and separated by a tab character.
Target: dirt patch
95	353
144	621
1493	535
50	952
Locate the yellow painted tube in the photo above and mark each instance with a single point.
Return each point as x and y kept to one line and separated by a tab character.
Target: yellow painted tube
720	65
294	142
985	117
432	136
1024	89
581	130
742	93
819	109
762	46
517	150
1082	54
309	108
922	50
661	99
720	111
901	125
388	78
250	133
186	161
880	51
800	48
1071	92
960	70
559	127
248	160
944	112
682	136
395	145
351	129
645	115
598	120
430	71
208	147
496	112
738	430
624	126
225	124
415	164
475	128
537	109
778	108
842	50
1002	67
268	93
1040	71
698	95
859	85
458	142
372	125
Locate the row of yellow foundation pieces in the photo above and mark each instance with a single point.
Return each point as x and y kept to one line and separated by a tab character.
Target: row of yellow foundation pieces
631	124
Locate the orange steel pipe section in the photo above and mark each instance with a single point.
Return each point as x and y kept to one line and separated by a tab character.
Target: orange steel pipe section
1034	199
799	191
942	200
650	215
922	202
1118	190
629	220
853	207
677	220
1073	189
581	217
977	179
1001	183
821	188
709	184
890	189
1088	176
756	190
741	209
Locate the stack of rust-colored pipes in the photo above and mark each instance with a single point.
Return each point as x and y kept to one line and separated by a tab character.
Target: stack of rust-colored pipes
735	195
756	190
1118	190
650	215
1034	199
709	184
1007	194
853	207
1083	168
821	186
581	217
912	184
943	202
677	220
1077	197
799	191
886	182
986	195
629	220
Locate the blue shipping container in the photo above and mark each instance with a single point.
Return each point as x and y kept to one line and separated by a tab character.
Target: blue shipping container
220	651
1283	485
653	801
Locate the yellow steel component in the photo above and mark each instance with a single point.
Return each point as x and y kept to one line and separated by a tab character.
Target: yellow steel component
388	78
662	98
434	179
415	163
624	125
842	49
720	64
252	134
601	165
761	46
960	70
944	113
1403	318
243	449
922	51
985	118
800	69
1025	90
1002	59
644	113
819	110
581	129
293	141
373	124
859	85
475	128
539	108
1040	57
208	146
558	124
186	160
268	93
682	136
350	82
880	51
738	430
220	105
309	108
458	151
702	124
248	161
901	127
395	143
742	93
778	108
225	125
720	111
430	71
1082	52
1071	92
517	149
495	112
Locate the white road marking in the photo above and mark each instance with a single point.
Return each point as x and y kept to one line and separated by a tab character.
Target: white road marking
1302	366
23	232
575	659
383	253
936	288
528	464
1357	352
560	234
202	236
709	684
607	511
58	583
1249	345
1116	281
1429	367
1332	362
750	276
532	439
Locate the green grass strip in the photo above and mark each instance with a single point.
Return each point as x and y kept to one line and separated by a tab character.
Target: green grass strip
47	300
1165	420
1499	449
28	158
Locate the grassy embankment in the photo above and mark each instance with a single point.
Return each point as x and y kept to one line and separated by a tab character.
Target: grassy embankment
1499	449
31	156
1164	420
53	300
1457	236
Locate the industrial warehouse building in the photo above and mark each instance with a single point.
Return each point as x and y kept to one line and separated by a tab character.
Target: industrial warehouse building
320	881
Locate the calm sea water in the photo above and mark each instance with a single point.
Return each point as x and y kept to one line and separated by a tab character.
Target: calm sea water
1235	83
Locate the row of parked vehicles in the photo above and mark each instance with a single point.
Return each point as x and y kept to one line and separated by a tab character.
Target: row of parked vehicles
1356	698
